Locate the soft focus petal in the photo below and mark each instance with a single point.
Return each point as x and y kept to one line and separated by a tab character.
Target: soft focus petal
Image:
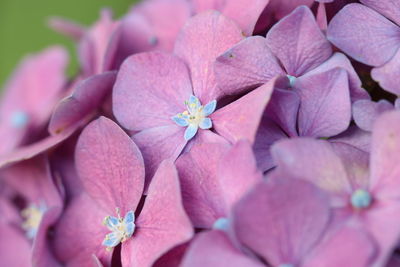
150	89
214	248
162	224
249	63
278	228
15	249
366	111
87	97
364	34
325	106
298	42
201	41
110	166
388	8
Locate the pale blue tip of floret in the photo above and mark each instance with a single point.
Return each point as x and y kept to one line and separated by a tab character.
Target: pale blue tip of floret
210	108
292	80
19	119
111	240
129	217
190	131
221	224
205	124
361	199
181	120
285	265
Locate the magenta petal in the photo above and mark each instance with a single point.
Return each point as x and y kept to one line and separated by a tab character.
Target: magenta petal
87	97
238	172
15	249
278	228
33	180
201	41
341	61
214	248
338	250
325	108
388	74
366	111
110	166
42	254
37	148
158	144
385	152
298	42
150	89
173	257
202	193
249	63
364	34
241	118
162	224
388	8
79	233
312	160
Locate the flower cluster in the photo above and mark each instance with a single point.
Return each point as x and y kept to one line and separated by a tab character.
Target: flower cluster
208	133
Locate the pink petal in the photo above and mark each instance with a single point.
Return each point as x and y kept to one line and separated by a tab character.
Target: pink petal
241	118
248	64
298	42
150	89
158	144
66	27
281	229
202	192
238	172
87	97
110	166
15	249
201	41
173	257
162	224
339	250
42	254
385	150
79	233
388	74
388	8
325	108
214	248
33	180
366	111
312	160
341	61
364	34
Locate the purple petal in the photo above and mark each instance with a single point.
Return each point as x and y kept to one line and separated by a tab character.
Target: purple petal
388	74
202	193
214	248
364	34
238	172
162	224
366	111
355	137
388	8
201	41
158	144
298	42
339	248
281	229
325	108
15	249
248	64
385	150
79	233
312	160
341	61
87	97
150	89
241	118
110	166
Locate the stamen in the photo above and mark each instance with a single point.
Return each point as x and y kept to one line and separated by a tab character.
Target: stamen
361	199
33	216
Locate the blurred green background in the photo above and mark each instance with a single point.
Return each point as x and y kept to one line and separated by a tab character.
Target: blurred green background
23	27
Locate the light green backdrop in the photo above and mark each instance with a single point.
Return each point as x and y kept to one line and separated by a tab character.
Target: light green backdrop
23	26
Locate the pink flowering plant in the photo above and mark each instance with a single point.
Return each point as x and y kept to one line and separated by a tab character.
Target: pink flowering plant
208	133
